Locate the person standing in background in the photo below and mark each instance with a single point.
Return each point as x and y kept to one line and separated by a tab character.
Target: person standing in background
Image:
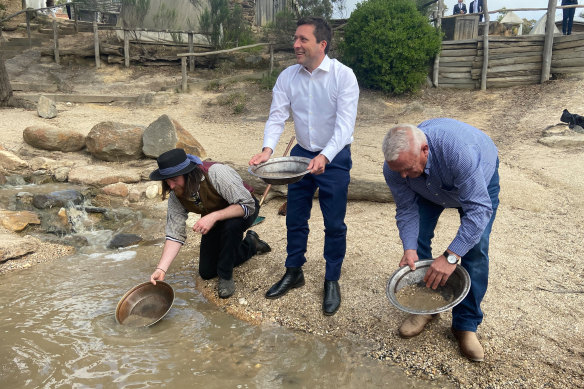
476	6
459	8
568	16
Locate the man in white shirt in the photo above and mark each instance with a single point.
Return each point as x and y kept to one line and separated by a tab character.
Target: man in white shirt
322	94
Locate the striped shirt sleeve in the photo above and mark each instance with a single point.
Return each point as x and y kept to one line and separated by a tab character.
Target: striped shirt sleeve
176	217
229	185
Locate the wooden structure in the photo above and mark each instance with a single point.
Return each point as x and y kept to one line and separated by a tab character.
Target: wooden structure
495	61
460	27
512	60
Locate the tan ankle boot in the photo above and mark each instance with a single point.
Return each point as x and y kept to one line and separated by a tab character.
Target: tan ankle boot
414	325
469	345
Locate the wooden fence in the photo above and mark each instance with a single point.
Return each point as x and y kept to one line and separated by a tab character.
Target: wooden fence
512	60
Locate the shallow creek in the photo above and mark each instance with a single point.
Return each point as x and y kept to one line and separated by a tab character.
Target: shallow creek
57	329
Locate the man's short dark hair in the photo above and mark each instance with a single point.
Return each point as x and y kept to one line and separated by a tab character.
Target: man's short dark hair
322	30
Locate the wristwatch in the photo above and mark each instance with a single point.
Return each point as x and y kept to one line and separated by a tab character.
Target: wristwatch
451	258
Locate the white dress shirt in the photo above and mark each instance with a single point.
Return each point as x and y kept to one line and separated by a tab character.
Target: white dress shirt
323	103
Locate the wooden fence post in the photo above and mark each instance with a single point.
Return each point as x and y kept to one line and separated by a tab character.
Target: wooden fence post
56	40
75	10
28	26
485	68
191	50
271	59
548	44
183	65
96	40
126	48
436	72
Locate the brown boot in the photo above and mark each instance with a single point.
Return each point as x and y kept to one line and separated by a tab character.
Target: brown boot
414	325
469	345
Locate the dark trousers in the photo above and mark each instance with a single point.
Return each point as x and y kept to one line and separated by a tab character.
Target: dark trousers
467	315
333	187
568	20
223	247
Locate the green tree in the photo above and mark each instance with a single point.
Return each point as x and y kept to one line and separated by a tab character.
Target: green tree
528	25
322	8
237	31
281	29
133	12
212	20
389	45
225	27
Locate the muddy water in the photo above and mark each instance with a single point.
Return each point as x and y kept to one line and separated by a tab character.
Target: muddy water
58	330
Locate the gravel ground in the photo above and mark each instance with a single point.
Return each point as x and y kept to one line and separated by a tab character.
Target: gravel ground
532	331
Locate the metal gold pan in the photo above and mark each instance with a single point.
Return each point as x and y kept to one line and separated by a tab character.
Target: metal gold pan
456	288
281	170
145	304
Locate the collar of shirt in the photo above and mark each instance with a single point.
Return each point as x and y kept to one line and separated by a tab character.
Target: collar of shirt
325	65
428	163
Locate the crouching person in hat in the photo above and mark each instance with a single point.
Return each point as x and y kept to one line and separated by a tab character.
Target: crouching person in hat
227	209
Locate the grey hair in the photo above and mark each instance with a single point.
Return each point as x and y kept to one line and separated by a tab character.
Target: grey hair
400	138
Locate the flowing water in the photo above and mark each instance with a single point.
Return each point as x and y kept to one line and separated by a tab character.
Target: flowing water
58	330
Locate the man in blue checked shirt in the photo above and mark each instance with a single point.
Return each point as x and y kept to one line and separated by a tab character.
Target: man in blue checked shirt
444	163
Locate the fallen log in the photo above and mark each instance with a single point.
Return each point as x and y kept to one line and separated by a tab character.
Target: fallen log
359	189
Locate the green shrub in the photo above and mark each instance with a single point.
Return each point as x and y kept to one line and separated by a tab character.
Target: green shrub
282	29
389	45
236	100
268	80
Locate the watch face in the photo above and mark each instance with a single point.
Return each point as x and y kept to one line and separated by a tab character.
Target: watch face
452	259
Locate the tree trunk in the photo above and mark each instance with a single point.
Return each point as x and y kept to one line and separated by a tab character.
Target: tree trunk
5	87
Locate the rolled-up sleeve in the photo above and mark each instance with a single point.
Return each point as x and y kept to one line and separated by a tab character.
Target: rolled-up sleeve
230	186
176	217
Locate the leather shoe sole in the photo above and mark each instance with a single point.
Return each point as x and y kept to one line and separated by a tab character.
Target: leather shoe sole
469	345
415	324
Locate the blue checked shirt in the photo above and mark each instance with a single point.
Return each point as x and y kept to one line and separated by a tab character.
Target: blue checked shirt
461	163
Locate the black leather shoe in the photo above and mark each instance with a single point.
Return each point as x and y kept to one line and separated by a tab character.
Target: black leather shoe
294	278
261	246
332	297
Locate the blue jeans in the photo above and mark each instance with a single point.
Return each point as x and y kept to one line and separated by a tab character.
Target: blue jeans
333	187
467	315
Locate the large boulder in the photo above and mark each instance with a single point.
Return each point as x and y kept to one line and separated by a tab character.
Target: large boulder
561	136
97	175
111	141
53	138
13	246
166	134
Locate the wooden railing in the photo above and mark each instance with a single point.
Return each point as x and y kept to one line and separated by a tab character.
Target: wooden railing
512	60
191	56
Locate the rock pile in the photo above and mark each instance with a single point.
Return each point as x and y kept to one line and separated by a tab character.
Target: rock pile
113	161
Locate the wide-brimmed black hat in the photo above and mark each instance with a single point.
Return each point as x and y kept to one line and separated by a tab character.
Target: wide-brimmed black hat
172	163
